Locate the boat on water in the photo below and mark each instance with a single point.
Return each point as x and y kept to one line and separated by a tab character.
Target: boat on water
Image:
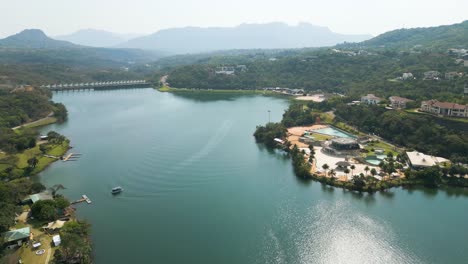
117	190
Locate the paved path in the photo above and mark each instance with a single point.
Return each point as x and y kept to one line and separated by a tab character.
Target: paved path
48	256
51	114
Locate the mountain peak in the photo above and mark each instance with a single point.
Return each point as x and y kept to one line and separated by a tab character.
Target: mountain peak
33	38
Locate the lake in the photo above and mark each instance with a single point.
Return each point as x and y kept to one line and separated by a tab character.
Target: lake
198	189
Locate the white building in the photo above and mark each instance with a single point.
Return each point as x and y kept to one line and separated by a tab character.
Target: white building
421	160
398	102
371	99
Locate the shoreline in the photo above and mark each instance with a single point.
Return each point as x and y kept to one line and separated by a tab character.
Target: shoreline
166	89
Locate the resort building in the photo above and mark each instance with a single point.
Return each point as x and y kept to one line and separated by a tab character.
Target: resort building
431	75
16	237
453	75
225	70
371	99
342	147
418	160
444	108
399	102
33	198
407	75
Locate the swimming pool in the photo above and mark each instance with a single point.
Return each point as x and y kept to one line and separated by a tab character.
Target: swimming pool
333	132
375	160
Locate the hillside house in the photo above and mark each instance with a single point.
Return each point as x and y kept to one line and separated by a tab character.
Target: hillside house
444	108
431	75
399	102
371	99
453	75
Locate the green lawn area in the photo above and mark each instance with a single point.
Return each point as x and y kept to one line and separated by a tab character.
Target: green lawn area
59	150
28	255
47	121
321	137
381	145
456	119
25	155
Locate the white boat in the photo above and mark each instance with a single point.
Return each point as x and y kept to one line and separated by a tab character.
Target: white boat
117	190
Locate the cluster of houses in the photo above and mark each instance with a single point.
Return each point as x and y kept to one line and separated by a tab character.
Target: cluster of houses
461	54
396	102
431	106
15	238
230	70
430	75
287	91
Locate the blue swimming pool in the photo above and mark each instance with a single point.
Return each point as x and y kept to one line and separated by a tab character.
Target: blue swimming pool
333	132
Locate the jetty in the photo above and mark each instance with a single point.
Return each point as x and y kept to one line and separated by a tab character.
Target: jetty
84	198
72	157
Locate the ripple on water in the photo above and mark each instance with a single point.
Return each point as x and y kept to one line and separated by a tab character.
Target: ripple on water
333	233
154	174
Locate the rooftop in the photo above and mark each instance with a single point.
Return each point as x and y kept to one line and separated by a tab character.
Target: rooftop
400	99
344	141
17	234
40	196
419	159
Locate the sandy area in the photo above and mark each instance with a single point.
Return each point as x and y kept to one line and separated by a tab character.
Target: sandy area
316	98
299	131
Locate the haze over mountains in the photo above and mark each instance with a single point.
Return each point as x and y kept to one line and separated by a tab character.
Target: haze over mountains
245	36
33	39
96	38
33	46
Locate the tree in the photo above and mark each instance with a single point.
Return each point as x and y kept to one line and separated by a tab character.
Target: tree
346	170
44	210
32	162
332	173
352	169
61	202
373	172
76	245
325	167
312	151
366	169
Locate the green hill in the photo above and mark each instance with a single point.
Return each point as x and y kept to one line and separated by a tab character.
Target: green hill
440	38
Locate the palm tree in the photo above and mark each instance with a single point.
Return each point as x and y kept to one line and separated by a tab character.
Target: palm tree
367	169
332	173
373	172
346	171
352	169
325	167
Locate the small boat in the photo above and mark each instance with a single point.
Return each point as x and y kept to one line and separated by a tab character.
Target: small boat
116	190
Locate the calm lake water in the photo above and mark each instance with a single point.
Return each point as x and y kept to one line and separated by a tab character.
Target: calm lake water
198	189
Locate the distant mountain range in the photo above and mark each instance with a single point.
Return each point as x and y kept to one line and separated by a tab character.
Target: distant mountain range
96	38
441	37
245	36
32	46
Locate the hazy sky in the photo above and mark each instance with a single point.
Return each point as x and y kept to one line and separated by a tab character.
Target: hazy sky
58	17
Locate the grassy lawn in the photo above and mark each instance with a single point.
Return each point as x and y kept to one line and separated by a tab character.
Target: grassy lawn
28	254
47	121
456	119
381	145
25	155
59	150
321	137
347	128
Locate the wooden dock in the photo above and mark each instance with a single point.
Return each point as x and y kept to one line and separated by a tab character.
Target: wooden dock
84	198
72	157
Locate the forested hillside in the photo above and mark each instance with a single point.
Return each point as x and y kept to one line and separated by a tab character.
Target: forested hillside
437	38
335	72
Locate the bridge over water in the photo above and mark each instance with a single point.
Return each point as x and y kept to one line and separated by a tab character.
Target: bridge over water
97	85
